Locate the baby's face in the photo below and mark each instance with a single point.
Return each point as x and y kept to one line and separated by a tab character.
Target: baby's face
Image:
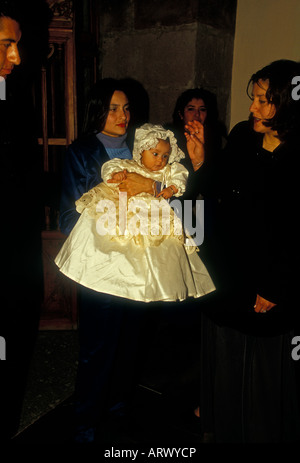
156	158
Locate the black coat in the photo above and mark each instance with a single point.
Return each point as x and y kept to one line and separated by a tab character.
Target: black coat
253	247
22	205
21	287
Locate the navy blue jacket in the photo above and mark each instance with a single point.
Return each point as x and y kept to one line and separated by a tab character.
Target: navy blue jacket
81	172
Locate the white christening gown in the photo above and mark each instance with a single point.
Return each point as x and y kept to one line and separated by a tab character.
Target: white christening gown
127	248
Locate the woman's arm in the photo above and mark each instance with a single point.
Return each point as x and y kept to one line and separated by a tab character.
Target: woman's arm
134	183
73	187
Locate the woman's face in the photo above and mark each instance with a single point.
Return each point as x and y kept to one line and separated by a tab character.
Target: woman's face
118	115
195	110
156	158
260	108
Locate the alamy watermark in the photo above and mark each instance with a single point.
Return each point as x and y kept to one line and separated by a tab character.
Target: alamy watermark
2	88
136	218
296	349
296	90
2	348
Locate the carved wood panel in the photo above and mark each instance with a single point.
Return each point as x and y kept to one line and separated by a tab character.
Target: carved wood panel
55	96
59	308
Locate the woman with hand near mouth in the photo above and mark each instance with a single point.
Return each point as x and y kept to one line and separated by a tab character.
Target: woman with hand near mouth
249	394
198	104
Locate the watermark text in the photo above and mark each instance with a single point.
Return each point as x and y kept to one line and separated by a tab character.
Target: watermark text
137	217
152	453
296	349
2	348
296	89
2	88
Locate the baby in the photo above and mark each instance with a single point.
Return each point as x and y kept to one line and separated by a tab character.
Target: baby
113	249
154	159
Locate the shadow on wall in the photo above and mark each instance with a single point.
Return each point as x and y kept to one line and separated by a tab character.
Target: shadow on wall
139	106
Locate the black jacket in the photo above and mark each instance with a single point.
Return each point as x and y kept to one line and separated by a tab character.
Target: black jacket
253	247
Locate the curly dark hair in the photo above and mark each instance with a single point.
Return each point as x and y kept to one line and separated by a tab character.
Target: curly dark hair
199	93
279	75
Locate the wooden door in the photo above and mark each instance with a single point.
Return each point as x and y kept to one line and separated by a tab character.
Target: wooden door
57	107
55	98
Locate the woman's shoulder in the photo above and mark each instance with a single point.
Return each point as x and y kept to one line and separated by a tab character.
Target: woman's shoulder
89	143
242	134
87	150
241	128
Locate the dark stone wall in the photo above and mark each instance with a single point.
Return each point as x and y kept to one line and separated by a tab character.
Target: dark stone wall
169	46
155	13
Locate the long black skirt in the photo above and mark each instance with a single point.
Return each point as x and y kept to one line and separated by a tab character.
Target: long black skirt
248	391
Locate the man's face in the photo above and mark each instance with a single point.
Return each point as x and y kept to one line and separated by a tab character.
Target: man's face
10	34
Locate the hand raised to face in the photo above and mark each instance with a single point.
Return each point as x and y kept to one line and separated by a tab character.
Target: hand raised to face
194	133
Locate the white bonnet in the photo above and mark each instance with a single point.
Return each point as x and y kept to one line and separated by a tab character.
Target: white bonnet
148	135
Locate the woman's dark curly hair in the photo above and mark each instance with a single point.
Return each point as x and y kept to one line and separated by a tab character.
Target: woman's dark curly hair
279	75
209	99
99	103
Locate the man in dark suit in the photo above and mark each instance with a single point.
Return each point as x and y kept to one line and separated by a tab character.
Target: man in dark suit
21	175
10	35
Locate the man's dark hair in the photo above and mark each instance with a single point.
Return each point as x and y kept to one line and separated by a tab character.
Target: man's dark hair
34	20
279	75
10	9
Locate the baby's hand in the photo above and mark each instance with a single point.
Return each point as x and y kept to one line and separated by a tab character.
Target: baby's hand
118	177
168	192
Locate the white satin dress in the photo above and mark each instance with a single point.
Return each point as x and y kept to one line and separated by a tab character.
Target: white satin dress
123	248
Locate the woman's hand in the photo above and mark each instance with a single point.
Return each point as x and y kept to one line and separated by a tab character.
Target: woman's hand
135	184
262	305
195	143
118	176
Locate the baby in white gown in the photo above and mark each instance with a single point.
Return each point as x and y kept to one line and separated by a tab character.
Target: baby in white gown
135	247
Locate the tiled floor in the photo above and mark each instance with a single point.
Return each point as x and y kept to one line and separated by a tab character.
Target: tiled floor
164	400
151	422
52	374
